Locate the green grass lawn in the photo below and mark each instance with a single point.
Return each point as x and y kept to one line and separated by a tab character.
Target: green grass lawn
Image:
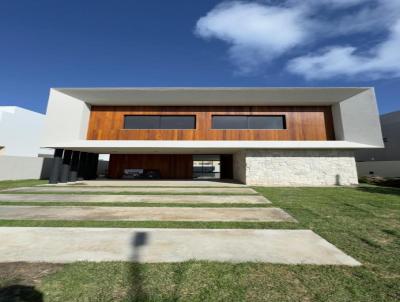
364	222
9	184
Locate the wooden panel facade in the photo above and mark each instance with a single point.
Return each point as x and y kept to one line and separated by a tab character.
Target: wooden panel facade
302	123
170	166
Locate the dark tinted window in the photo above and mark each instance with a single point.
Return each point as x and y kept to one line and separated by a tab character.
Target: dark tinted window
266	122
178	122
229	122
159	122
142	122
248	122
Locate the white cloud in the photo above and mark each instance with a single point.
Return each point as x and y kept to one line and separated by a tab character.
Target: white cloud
259	32
381	61
256	33
335	3
373	16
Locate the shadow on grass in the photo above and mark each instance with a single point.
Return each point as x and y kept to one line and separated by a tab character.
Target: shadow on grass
20	293
179	273
136	291
380	190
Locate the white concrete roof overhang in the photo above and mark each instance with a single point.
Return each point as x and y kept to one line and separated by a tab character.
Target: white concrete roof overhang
354	111
217	96
197	147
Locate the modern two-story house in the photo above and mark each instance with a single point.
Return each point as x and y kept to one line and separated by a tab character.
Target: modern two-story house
258	136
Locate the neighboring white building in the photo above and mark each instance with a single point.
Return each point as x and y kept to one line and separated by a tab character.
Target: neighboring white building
263	136
383	162
20	136
20	131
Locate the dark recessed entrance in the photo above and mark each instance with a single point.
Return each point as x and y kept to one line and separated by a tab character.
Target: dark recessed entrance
162	166
170	166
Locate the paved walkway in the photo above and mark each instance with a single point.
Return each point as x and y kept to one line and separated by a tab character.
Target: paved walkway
155	183
190	199
136	190
62	245
144	213
156	245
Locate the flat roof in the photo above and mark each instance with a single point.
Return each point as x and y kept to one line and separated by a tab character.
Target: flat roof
213	96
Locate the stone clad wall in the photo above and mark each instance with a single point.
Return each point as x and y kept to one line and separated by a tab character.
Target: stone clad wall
299	167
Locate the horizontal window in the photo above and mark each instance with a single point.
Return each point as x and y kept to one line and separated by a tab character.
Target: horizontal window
159	122
248	122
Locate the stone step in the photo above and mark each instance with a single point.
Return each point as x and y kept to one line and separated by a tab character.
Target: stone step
195	199
137	190
144	213
63	245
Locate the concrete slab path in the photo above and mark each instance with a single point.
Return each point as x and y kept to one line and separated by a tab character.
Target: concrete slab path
154	183
61	245
144	213
169	190
194	199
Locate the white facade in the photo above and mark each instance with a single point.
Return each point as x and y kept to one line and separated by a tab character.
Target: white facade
24	167
20	132
355	114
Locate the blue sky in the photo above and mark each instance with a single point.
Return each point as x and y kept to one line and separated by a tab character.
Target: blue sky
121	43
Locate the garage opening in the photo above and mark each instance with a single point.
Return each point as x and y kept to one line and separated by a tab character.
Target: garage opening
170	166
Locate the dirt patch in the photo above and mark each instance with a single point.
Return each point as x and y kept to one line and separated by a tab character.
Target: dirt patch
23	273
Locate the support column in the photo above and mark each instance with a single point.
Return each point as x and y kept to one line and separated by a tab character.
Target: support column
91	166
73	174
66	166
82	165
56	168
87	165
94	166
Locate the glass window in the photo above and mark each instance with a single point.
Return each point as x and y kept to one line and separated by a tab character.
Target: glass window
229	122
178	122
266	122
159	122
206	166
142	122
248	122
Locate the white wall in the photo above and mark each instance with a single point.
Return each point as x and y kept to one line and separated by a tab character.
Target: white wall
355	114
356	119
66	119
22	167
391	132
20	131
380	168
